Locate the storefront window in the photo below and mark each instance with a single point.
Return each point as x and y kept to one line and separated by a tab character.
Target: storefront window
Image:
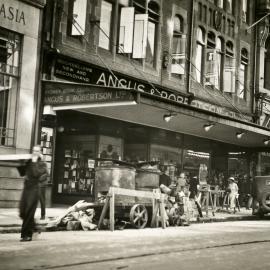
10	46
75	166
196	163
110	147
237	164
168	156
135	152
46	143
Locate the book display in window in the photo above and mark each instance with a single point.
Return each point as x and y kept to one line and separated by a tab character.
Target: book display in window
47	146
78	172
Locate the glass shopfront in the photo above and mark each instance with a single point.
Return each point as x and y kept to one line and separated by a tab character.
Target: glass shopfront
80	143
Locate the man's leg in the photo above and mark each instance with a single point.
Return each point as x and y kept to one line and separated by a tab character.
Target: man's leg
42	200
28	225
232	201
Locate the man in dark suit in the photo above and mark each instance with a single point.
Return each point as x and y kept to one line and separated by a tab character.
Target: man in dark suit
35	172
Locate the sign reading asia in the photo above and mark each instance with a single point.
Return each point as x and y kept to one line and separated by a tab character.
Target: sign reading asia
12	14
71	70
59	94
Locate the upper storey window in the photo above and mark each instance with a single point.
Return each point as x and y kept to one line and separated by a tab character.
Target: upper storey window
200	46
153	21
138	31
178	47
210	63
219	3
245	11
229	6
105	25
229	69
77	11
242	89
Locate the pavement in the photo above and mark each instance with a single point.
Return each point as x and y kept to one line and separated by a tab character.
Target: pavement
10	221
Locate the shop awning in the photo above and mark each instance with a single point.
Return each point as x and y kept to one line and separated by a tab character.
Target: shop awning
145	108
189	121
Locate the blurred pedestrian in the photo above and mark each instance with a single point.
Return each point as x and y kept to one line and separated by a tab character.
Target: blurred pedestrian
194	194
233	193
164	179
35	173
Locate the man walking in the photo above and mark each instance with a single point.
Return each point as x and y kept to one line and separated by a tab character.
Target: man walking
35	173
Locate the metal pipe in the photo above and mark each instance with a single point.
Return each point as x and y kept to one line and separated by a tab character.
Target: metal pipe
190	45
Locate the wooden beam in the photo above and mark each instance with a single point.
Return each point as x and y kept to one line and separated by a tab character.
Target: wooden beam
135	193
104	211
112	194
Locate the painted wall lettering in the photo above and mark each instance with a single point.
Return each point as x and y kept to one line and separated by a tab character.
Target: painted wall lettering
57	93
12	14
85	73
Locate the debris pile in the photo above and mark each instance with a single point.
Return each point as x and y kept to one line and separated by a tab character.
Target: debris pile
77	217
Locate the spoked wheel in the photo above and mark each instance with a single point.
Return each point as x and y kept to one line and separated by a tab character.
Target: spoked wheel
173	216
138	216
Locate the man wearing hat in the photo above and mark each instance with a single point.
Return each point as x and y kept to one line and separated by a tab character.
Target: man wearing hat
233	189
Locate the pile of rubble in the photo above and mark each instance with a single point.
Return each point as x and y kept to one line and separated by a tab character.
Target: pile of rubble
77	217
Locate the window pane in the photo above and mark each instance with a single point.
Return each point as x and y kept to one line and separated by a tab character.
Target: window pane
219	3
198	62
177	24
140	36
126	28
200	37
242	73
79	17
105	25
9	70
178	55
229	6
219	69
229	75
210	67
244	5
150	47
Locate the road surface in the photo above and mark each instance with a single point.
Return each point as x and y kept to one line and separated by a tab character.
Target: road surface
227	245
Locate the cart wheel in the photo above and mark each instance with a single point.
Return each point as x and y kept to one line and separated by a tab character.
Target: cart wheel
138	216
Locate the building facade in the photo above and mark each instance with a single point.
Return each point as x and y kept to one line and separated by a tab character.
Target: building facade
166	81
20	43
261	73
